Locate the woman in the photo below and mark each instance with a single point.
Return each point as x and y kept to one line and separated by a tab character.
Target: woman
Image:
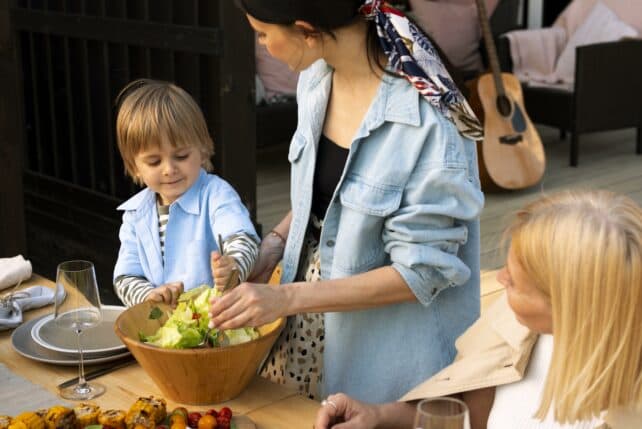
383	234
574	275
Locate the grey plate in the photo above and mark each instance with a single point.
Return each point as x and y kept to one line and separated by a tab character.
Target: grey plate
24	344
98	340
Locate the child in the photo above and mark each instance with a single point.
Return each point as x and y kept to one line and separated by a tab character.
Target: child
170	228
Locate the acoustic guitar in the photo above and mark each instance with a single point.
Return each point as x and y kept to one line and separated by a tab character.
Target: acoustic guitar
511	155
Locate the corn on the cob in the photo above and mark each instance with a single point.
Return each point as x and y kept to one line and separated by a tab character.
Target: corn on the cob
112	418
17	424
147	412
31	420
86	414
5	421
59	417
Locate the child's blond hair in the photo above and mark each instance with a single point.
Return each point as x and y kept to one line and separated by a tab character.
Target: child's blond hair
150	110
583	249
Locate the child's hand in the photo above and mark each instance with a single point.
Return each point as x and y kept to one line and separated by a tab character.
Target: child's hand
167	293
224	268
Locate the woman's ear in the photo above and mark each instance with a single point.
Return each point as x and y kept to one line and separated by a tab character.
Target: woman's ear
310	33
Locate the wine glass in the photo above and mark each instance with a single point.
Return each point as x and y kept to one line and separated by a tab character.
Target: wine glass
442	413
80	310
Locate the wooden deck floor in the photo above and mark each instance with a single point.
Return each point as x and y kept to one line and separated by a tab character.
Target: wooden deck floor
607	161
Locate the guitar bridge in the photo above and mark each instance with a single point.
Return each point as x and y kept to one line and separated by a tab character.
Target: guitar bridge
511	139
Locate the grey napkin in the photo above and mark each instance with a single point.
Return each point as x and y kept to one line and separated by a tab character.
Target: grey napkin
18	394
25	299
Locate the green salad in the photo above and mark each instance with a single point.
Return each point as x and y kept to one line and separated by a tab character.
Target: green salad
187	324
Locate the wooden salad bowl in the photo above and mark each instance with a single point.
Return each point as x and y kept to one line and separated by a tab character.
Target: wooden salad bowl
194	376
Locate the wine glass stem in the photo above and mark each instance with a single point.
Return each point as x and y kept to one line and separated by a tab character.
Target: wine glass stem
81	368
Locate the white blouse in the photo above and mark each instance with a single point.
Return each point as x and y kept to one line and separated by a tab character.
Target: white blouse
515	404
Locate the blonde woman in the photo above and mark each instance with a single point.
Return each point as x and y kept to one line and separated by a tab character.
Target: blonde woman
574	276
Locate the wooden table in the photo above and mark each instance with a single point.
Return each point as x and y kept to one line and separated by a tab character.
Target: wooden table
269	405
490	288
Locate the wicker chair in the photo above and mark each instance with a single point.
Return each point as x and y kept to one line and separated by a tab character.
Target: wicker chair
606	96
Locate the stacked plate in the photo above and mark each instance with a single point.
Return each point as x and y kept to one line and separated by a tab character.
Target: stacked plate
43	340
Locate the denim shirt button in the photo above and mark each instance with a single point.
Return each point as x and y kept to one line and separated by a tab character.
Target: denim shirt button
330	243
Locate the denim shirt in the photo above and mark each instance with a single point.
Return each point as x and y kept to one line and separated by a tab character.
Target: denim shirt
409	197
208	208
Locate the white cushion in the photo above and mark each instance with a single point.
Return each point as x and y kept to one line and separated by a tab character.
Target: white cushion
601	25
629	11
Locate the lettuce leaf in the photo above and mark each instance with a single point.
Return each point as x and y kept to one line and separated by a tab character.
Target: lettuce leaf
187	324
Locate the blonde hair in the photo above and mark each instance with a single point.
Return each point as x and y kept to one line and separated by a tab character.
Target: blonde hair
583	249
150	110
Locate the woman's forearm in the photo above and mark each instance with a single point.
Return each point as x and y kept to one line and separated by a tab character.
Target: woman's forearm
394	415
379	287
283	227
479	402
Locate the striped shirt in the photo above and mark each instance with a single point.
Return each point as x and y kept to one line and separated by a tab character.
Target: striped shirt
163	218
243	248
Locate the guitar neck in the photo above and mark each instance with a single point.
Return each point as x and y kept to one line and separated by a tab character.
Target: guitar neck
493	61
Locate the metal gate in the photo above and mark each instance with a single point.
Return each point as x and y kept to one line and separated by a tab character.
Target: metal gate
62	63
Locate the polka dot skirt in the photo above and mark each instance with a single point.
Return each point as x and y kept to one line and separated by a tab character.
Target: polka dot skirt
296	359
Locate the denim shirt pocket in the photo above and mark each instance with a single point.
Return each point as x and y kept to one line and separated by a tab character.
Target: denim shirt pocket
365	206
370	198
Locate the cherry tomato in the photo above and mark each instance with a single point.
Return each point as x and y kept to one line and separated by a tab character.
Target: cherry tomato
193	418
181	410
207	422
225	411
223	422
177	417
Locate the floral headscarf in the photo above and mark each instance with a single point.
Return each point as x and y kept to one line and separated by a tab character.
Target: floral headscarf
413	56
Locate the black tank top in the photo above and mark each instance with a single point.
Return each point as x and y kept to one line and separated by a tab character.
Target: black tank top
331	159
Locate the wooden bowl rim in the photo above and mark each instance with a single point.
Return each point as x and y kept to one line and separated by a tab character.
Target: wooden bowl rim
128	340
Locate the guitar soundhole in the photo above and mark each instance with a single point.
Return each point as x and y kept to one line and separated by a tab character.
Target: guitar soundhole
519	121
503	105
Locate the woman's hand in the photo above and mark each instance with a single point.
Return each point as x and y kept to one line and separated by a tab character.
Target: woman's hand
342	412
270	254
167	293
248	305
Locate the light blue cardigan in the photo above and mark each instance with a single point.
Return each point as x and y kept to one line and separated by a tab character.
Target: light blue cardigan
210	207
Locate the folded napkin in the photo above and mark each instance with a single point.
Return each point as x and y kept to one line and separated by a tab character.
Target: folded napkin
19	394
25	299
13	270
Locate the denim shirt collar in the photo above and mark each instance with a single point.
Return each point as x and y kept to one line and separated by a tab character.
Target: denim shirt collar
396	100
189	201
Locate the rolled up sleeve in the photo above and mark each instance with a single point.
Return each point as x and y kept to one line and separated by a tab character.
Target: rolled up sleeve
424	235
